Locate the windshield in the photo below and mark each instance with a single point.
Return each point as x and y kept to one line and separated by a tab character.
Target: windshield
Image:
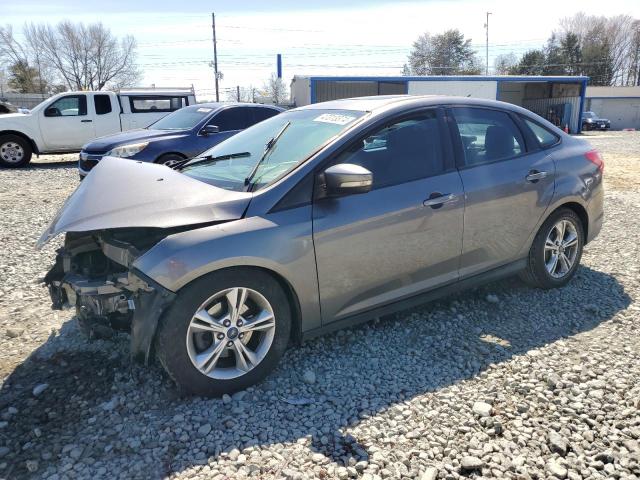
589	115
184	119
307	131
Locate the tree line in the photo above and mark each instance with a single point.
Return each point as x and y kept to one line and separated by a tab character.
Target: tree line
606	49
72	56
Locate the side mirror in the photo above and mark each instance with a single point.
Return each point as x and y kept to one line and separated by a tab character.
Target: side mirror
52	112
347	178
209	130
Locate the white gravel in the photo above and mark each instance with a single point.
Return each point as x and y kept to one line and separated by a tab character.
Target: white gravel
499	382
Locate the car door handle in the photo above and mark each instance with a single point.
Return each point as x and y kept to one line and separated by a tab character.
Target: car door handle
436	200
535	175
86	121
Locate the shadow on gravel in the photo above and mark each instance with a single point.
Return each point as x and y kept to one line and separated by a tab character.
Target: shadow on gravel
116	412
34	165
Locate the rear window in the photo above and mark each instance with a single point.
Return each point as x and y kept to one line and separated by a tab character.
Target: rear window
183	119
487	135
102	104
156	104
544	136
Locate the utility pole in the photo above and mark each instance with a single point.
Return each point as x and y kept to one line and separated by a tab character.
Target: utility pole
215	54
238	92
486	25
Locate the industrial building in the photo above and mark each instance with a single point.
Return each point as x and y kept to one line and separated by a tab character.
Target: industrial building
621	105
558	99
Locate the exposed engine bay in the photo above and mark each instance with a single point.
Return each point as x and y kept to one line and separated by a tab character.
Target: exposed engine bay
94	273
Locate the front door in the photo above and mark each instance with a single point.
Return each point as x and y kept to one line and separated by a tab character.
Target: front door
507	188
66	124
402	237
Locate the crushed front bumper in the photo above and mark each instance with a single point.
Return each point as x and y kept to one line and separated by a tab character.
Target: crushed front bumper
127	296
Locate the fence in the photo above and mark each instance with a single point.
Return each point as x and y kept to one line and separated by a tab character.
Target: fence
25	100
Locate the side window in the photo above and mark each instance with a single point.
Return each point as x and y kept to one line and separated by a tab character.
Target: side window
260	114
234	118
70	106
487	135
156	104
544	136
102	104
404	151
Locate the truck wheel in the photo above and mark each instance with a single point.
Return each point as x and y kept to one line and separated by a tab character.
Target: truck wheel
15	151
224	332
169	159
556	251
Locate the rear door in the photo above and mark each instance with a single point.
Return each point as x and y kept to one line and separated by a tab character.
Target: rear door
230	121
67	124
107	115
402	237
508	186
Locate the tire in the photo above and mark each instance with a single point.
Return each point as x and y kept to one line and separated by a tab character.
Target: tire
178	341
15	151
169	158
540	260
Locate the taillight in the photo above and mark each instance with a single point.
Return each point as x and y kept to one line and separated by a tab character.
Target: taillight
594	157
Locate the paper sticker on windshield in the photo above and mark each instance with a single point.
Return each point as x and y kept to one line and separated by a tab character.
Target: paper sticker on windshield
334	118
204	110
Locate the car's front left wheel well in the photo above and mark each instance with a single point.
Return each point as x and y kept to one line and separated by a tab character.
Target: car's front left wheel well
292	297
162	158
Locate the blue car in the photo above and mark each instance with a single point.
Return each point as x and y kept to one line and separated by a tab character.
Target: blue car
182	134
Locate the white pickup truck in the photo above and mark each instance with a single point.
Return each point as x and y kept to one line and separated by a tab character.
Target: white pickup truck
65	122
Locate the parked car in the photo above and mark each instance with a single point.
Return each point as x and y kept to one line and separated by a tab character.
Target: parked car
182	134
591	121
319	218
7	107
65	122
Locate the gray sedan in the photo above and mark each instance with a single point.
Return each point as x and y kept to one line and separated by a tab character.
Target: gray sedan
317	219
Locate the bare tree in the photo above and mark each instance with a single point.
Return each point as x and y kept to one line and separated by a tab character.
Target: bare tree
83	57
247	94
609	46
504	62
276	89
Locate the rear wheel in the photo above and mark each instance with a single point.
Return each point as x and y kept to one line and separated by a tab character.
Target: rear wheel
170	159
225	331
556	251
15	151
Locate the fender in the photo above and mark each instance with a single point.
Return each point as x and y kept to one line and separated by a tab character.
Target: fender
285	248
24	125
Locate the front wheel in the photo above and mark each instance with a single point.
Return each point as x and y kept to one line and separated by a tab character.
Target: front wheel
225	331
170	159
15	151
556	251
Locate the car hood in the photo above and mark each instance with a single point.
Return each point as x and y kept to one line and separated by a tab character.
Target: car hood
106	143
119	193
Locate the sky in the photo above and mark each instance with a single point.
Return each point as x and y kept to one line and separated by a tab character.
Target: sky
326	37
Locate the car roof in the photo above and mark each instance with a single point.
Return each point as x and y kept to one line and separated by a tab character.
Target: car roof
235	104
381	103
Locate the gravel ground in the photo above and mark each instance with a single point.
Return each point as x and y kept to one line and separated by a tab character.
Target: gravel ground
498	382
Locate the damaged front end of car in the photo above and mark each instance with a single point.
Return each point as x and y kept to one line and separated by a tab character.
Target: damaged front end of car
119	212
94	273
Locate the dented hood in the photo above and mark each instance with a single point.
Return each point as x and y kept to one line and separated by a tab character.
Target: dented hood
121	193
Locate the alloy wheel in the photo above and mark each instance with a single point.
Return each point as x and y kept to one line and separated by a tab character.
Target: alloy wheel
231	333
561	248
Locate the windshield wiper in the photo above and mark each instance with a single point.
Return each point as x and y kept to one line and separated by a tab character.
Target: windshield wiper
209	158
267	148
